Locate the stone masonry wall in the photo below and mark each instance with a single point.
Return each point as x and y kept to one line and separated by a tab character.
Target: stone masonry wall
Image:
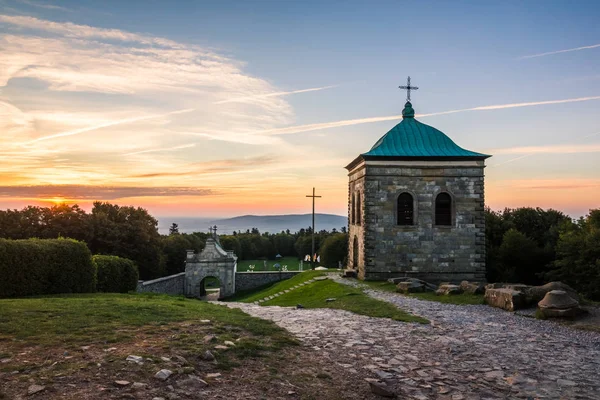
433	253
172	284
252	280
355	230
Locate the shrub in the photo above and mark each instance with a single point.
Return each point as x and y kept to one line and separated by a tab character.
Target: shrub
115	274
45	266
334	250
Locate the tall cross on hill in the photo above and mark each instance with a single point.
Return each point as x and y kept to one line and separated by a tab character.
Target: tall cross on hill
408	88
312	255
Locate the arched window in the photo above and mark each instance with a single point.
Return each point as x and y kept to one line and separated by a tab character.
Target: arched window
352	208
443	209
405	209
358	209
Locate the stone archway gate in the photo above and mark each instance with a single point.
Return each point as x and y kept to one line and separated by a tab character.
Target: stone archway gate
213	261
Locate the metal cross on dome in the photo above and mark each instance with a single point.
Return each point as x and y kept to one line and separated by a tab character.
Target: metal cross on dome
408	88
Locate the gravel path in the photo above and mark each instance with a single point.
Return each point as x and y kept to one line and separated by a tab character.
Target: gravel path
467	352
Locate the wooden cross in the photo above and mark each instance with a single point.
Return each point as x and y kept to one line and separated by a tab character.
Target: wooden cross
312	254
408	88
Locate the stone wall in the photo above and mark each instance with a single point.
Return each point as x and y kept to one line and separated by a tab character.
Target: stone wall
425	251
172	284
356	232
252	280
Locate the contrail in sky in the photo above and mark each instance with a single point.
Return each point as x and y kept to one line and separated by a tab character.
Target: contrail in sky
274	94
107	124
185	146
349	122
147	117
561	51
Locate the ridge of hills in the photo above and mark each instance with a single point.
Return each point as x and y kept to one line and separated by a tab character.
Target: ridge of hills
264	223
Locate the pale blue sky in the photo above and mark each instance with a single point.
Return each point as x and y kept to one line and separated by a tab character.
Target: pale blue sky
461	54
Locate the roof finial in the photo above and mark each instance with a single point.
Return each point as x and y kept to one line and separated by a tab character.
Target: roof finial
408	88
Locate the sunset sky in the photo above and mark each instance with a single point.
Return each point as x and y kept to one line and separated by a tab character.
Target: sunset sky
222	108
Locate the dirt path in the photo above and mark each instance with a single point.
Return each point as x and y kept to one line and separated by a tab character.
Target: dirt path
468	352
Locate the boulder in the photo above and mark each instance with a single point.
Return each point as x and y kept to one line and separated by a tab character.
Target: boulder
558	304
192	382
410	287
535	294
448	289
381	389
163	374
472	287
507	299
427	286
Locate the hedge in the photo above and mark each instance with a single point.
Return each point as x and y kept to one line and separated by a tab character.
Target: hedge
45	266
115	274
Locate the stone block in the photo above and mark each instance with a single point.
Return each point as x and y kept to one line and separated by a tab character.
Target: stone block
472	287
410	287
448	289
535	294
507	299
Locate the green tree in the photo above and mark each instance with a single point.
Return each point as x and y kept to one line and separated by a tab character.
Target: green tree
173	229
231	242
578	256
334	249
128	232
175	249
518	257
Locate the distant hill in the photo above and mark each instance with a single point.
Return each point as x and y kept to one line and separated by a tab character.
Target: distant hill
264	223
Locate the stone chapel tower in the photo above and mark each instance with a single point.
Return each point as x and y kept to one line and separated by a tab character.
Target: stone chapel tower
416	207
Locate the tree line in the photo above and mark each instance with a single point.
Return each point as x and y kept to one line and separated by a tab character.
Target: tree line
132	233
527	245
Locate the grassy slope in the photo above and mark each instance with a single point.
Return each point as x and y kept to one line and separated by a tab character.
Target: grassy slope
261	293
454	299
346	298
82	320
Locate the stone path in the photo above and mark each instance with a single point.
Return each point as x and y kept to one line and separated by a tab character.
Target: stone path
467	352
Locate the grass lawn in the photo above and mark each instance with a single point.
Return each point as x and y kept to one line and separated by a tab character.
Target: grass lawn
346	298
72	321
271	289
75	347
292	263
429	296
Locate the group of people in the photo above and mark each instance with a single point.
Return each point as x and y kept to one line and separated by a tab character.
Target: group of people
316	258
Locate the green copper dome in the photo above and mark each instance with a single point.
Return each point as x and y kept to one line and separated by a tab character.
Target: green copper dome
410	138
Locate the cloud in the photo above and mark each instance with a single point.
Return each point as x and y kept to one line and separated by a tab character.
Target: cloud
184	146
106	125
84	192
561	51
549	149
14	123
44	5
214	167
553	184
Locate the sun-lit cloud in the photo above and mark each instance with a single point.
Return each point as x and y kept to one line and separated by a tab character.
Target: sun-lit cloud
561	51
85	192
184	146
106	125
